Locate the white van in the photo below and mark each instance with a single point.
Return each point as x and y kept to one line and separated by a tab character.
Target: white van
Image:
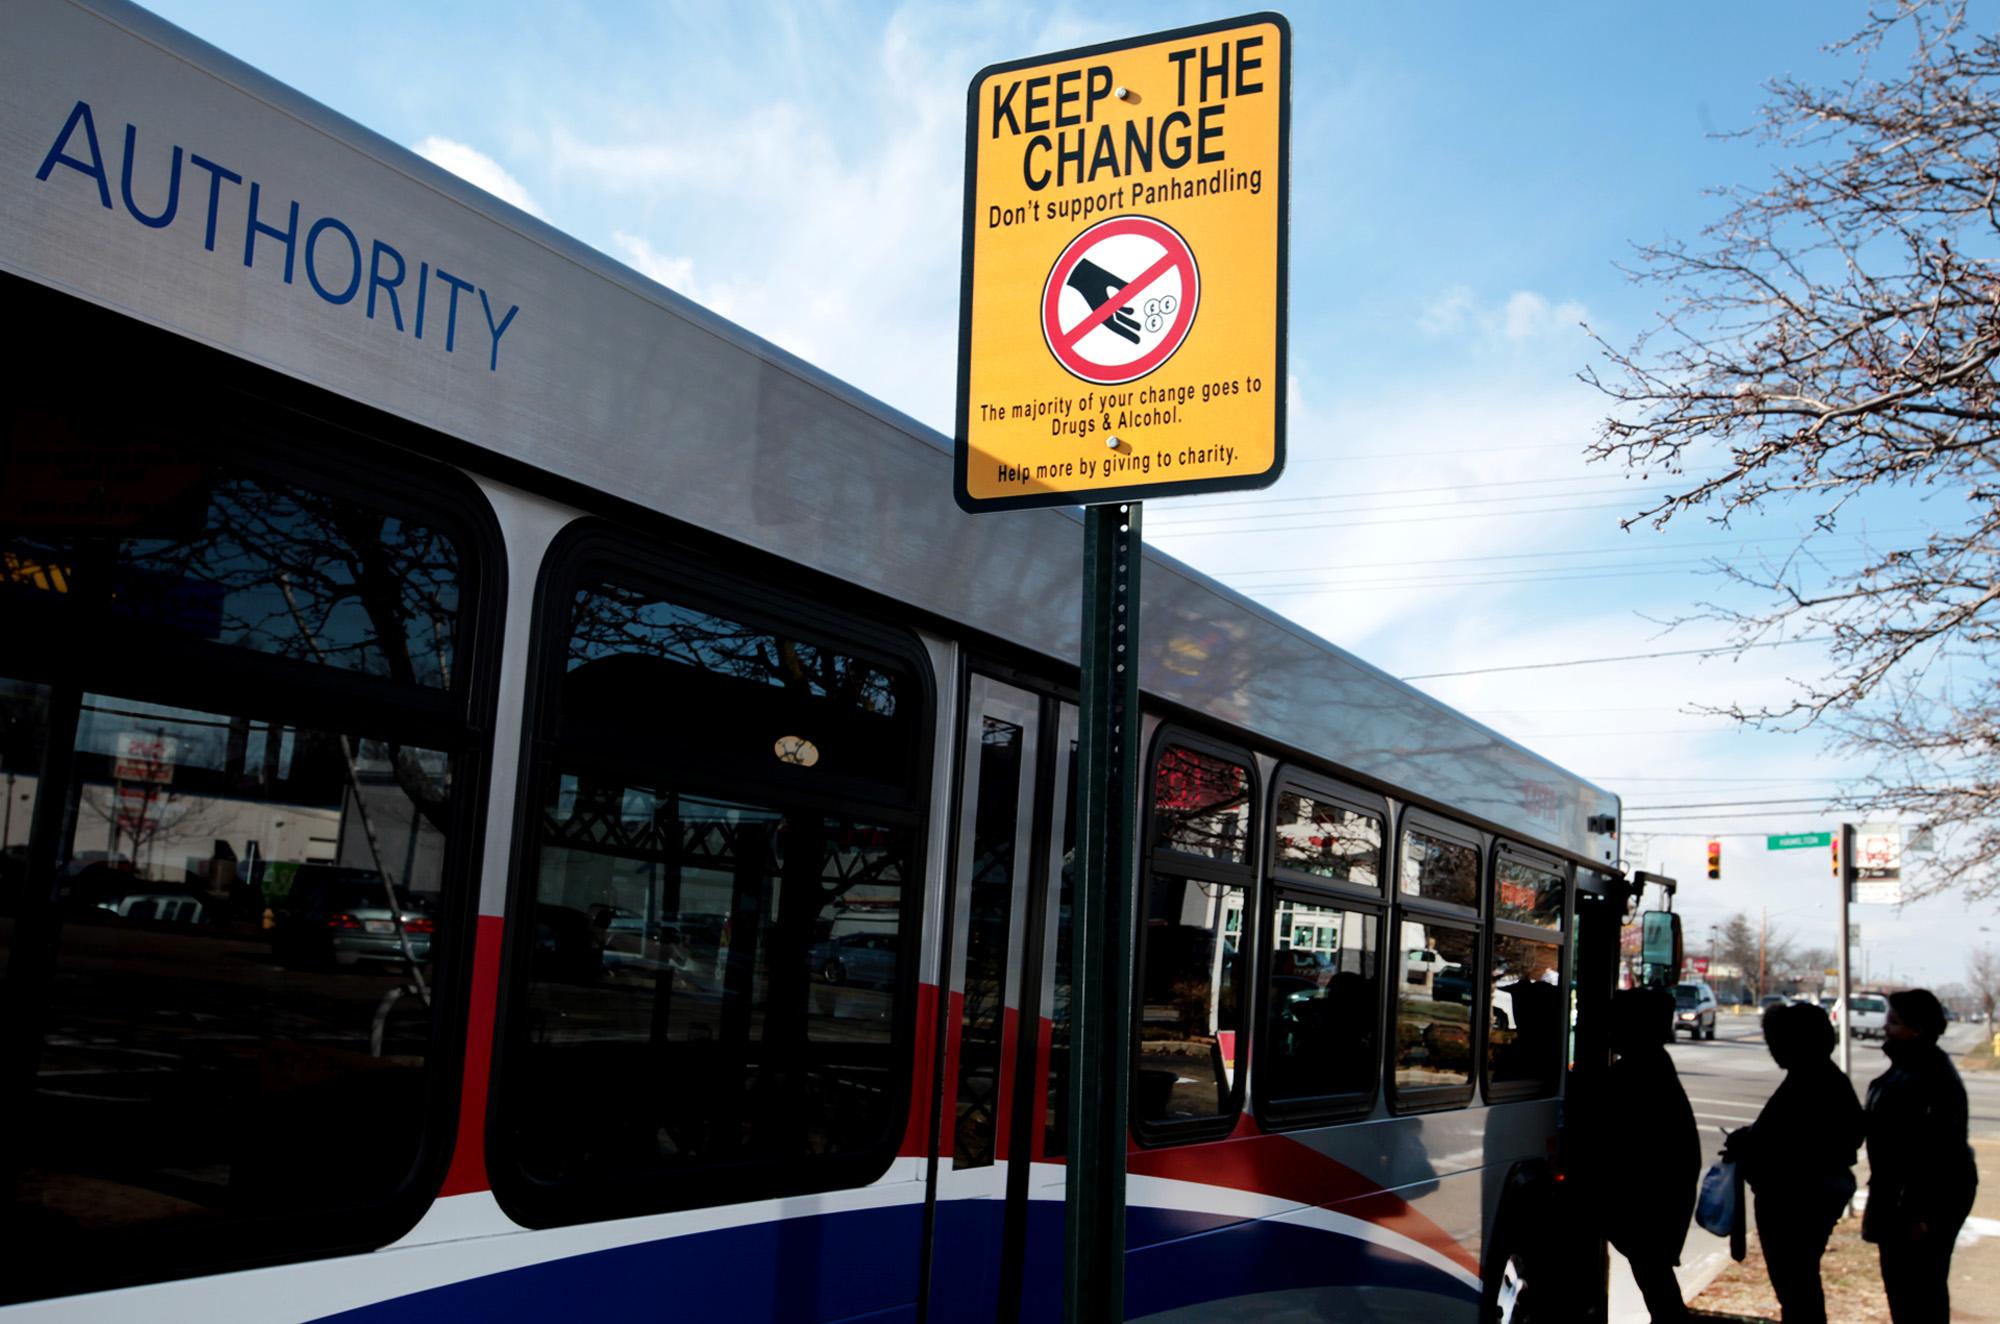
1868	1015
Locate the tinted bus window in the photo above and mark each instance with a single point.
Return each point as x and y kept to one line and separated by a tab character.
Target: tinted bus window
1325	989
1190	995
1527	895
1201	805
1437	969
721	892
1436	868
992	894
1524	1039
1328	840
244	685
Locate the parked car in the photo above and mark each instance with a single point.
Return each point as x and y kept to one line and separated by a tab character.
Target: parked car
1694	1009
857	958
1770	1000
339	916
1868	1016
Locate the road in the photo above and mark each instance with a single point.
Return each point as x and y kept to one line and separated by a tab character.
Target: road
1727	1080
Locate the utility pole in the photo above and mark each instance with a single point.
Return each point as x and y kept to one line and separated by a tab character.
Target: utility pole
1763	928
1846	973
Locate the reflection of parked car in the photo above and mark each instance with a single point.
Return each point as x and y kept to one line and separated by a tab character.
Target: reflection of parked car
1694	1009
166	907
857	958
340	916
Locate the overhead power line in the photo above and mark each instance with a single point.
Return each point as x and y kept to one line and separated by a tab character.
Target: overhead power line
1171	524
1776	778
1641	549
1261	528
1185	516
1573	447
1494	579
1625	657
1194	509
1682	818
1729	804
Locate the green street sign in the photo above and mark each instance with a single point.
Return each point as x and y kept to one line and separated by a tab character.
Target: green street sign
1798	841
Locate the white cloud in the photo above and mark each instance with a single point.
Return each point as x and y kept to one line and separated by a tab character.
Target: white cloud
1521	317
1447	314
835	239
477	168
676	273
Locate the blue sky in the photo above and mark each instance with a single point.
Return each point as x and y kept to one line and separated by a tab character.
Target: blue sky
1466	178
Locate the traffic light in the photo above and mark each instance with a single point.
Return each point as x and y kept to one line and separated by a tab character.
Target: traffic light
1836	855
1714	860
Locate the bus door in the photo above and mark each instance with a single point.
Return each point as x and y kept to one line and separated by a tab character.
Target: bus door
1600	917
996	1077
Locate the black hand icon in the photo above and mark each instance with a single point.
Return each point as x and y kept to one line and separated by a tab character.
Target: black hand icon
1097	285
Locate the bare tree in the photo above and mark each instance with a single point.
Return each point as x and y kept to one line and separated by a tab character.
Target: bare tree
1982	978
1834	334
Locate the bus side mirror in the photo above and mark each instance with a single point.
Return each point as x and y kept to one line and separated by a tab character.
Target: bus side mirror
1660	945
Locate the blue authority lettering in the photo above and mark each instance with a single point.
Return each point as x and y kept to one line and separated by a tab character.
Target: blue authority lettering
329	249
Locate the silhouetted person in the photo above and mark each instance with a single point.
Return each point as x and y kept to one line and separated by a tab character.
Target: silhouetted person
1658	1156
1921	1177
1799	1157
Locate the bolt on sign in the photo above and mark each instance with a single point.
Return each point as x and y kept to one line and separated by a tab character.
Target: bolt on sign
1122	301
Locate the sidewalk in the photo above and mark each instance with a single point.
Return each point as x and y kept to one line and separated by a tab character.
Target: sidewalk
1853	1275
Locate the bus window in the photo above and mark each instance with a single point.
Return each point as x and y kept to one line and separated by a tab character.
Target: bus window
1324	994
1189	999
240	679
1435	868
1436	976
1523	894
1201	805
1524	1042
1328	840
717	983
1194	927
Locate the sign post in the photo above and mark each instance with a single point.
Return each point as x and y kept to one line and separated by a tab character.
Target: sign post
1100	996
1846	1004
1121	335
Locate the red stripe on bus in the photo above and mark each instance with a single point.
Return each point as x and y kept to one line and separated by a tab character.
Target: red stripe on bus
1045	1031
954	1026
1010	1038
917	1134
1281	1167
468	1159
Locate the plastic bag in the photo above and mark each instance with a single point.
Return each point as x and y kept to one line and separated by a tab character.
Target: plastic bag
1716	1210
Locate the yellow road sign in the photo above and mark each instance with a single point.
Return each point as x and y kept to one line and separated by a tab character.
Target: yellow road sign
1122	310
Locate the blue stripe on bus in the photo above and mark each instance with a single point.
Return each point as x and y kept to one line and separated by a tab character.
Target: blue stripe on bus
862	1264
858	1264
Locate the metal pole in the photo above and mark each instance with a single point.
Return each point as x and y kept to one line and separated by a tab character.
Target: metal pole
1101	1017
1846	1007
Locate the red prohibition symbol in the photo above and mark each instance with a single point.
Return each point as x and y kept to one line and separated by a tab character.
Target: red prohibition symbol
1120	299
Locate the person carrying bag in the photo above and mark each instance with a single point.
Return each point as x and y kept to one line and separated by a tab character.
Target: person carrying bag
1798	1157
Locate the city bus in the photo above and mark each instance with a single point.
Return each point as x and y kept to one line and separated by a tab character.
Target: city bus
523	798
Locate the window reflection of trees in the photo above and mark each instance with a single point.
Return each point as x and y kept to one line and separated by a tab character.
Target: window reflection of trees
1201	804
1328	840
270	566
718	961
612	620
1440	870
194	972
